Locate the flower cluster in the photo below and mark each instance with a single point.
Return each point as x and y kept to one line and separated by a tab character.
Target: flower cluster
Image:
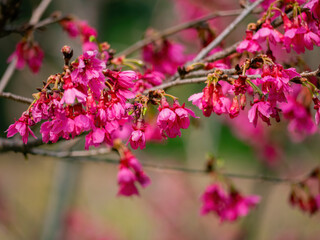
105	103
228	206
28	52
300	32
130	172
171	119
75	28
306	194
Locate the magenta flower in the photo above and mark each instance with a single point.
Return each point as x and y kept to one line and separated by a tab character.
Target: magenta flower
86	31
154	77
96	137
88	68
314	6
235	108
164	58
22	126
211	100
260	109
239	206
137	139
311	38
214	200
30	53
228	206
267	32
166	118
249	44
71	92
171	119
300	120
71	27
294	34
125	79
130	172
126	180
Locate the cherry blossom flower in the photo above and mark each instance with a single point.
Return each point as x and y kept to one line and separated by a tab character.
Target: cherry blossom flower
171	119
130	172
22	126
249	44
137	139
71	27
211	100
28	53
88	68
228	206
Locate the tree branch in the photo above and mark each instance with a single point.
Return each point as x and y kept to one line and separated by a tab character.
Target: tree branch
88	156
38	12
226	32
7	74
15	97
15	145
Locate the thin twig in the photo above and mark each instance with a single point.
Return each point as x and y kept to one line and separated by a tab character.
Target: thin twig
50	20
15	97
7	74
70	154
226	32
37	13
176	29
88	156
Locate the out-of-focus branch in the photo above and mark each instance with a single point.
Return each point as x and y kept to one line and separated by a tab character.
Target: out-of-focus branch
70	154
38	12
89	156
7	74
226	32
15	97
176	29
54	18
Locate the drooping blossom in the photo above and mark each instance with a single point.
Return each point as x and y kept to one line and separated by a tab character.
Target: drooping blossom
228	206
22	126
300	120
306	193
269	34
260	109
211	100
71	27
137	139
130	173
29	53
249	44
171	119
